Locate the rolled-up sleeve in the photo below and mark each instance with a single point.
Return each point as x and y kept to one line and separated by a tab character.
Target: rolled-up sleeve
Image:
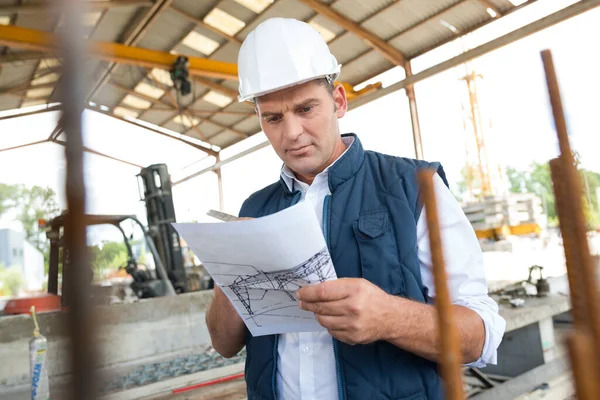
464	267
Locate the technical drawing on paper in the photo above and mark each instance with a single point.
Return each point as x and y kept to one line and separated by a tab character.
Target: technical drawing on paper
260	264
262	295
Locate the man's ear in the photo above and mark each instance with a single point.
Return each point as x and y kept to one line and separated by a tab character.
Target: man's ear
339	100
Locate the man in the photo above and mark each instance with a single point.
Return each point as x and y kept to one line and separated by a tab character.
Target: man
381	340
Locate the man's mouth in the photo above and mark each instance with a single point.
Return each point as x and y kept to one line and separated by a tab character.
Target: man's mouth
298	150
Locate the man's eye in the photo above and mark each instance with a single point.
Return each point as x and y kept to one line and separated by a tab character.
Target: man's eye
274	119
306	109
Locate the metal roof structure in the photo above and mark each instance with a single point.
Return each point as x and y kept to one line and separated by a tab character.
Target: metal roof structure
133	43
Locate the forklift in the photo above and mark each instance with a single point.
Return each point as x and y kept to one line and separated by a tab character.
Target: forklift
169	275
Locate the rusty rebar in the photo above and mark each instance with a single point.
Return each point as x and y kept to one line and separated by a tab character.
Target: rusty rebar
573	192
450	351
580	345
584	345
567	230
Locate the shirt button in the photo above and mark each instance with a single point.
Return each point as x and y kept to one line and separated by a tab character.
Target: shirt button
310	196
305	350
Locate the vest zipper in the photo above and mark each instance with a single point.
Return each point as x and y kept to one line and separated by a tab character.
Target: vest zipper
326	205
276	342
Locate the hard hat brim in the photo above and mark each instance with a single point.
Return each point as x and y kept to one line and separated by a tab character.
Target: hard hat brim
251	96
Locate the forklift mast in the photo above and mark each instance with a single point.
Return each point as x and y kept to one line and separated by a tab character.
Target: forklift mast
160	212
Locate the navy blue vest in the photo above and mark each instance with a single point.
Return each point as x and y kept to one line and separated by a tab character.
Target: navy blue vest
369	223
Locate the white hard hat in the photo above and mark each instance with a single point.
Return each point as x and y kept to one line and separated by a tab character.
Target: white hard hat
281	52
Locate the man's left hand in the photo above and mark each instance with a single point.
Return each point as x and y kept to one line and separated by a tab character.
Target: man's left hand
353	310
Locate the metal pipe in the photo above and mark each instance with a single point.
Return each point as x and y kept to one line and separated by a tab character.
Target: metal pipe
414	115
450	351
25	114
224	162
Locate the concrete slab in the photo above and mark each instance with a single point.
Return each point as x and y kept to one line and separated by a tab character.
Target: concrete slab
129	334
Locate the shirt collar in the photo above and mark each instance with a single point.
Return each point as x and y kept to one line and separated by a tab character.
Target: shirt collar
289	177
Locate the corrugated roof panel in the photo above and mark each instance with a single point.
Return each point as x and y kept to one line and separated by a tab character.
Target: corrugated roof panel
227	53
114	23
9	102
467	15
234	9
209	128
109	96
404	15
196	8
227	119
250	124
281	8
503	5
371	64
42	21
358	10
156	117
328	24
225	139
167	30
425	35
204	105
171	125
347	46
14	74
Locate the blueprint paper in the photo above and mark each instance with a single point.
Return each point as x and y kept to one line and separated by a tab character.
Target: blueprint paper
261	263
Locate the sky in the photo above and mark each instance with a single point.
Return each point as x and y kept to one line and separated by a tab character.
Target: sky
513	97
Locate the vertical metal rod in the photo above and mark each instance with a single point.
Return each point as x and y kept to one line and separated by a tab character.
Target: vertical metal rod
450	352
414	114
220	183
79	311
581	349
573	189
567	230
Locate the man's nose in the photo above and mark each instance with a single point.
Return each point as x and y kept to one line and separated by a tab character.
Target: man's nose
292	127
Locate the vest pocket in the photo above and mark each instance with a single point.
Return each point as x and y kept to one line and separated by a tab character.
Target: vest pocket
378	251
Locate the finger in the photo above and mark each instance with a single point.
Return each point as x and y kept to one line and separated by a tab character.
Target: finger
333	322
327	291
336	308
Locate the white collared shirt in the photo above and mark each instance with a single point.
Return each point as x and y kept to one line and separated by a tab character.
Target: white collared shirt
305	361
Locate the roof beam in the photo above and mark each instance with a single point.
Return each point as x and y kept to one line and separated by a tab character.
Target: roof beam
25	114
24	145
201	23
131	38
216	87
98	153
86	5
205	149
386	49
30	39
173	101
21	56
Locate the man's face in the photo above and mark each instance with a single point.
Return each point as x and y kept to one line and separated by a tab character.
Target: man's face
301	123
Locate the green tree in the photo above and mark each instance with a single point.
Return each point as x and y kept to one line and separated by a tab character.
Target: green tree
516	180
11	281
31	204
37	203
9	197
110	255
